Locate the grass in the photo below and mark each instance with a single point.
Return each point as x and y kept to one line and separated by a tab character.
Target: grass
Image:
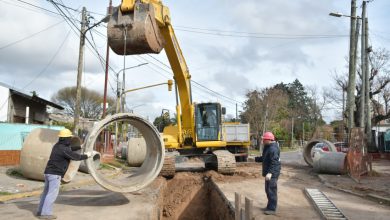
14	172
104	166
5	193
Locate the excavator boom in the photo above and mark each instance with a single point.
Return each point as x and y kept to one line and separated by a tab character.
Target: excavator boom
143	26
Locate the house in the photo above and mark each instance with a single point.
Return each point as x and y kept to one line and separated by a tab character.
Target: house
20	113
19	107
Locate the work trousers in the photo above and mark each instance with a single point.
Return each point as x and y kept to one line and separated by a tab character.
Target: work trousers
271	189
49	194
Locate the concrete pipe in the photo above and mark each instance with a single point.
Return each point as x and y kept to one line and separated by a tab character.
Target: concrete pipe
136	151
154	154
329	162
308	149
96	162
36	152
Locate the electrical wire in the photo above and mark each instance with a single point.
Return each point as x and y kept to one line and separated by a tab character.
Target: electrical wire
30	36
260	37
257	33
47	65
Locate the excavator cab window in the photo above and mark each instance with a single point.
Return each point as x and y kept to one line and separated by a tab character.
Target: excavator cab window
208	120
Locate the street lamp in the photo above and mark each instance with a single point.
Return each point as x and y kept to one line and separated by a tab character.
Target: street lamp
354	33
123	82
118	93
338	14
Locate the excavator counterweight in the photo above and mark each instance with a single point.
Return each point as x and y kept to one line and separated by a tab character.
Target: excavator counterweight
134	32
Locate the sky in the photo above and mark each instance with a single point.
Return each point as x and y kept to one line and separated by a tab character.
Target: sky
231	47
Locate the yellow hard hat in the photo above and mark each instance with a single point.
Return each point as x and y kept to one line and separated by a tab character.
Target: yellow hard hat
65	133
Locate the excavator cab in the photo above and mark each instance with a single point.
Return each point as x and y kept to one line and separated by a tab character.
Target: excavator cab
208	121
134	30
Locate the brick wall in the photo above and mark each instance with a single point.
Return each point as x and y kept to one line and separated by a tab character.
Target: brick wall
9	157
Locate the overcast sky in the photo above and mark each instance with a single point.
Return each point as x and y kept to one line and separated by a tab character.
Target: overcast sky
230	47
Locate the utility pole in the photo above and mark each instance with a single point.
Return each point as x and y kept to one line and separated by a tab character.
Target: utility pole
352	68
236	112
367	83
79	70
109	11
265	118
292	132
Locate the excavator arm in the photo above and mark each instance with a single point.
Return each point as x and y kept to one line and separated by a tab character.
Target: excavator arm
144	26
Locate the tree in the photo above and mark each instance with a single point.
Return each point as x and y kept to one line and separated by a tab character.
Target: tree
91	102
162	121
276	108
379	79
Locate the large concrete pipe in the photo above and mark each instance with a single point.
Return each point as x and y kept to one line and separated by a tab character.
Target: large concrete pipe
154	154
136	151
36	152
96	162
329	162
308	149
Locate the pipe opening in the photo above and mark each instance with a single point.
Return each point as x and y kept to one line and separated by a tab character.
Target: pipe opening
115	173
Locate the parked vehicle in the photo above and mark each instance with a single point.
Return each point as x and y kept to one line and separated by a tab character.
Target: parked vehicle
320	146
341	147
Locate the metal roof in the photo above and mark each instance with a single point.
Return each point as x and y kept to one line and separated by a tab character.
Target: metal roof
32	98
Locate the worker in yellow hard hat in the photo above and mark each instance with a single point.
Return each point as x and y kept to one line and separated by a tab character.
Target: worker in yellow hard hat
56	167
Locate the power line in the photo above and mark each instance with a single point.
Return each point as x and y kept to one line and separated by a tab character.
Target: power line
30	36
64	6
51	60
257	33
261	37
35	6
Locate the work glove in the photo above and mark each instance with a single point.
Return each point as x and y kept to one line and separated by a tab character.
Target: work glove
88	154
268	176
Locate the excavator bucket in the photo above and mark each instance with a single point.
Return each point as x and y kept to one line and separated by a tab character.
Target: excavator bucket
134	32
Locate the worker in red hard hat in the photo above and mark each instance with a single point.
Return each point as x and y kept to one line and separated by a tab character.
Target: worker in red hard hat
271	171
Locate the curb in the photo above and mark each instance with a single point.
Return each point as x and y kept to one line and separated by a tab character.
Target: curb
370	196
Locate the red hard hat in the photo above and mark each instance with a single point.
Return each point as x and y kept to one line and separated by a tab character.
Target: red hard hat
268	136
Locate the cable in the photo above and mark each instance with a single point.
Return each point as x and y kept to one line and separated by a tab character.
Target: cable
30	36
64	6
35	6
51	60
256	33
262	37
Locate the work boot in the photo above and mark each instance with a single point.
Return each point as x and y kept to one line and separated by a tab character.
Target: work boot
47	217
269	212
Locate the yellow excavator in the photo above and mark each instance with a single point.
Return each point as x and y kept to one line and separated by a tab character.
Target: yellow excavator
144	26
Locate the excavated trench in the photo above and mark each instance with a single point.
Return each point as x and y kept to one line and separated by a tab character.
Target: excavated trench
193	196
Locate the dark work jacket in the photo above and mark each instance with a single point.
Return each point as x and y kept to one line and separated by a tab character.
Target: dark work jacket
271	160
60	156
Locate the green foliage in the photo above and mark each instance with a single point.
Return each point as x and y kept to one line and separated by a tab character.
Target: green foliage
161	122
91	102
14	172
285	105
68	125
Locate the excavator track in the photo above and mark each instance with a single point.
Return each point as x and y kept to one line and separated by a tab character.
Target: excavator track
226	162
168	169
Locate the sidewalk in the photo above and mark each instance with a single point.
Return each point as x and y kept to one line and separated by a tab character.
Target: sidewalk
13	185
375	187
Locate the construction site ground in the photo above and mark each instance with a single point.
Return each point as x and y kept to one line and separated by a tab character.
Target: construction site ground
204	195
